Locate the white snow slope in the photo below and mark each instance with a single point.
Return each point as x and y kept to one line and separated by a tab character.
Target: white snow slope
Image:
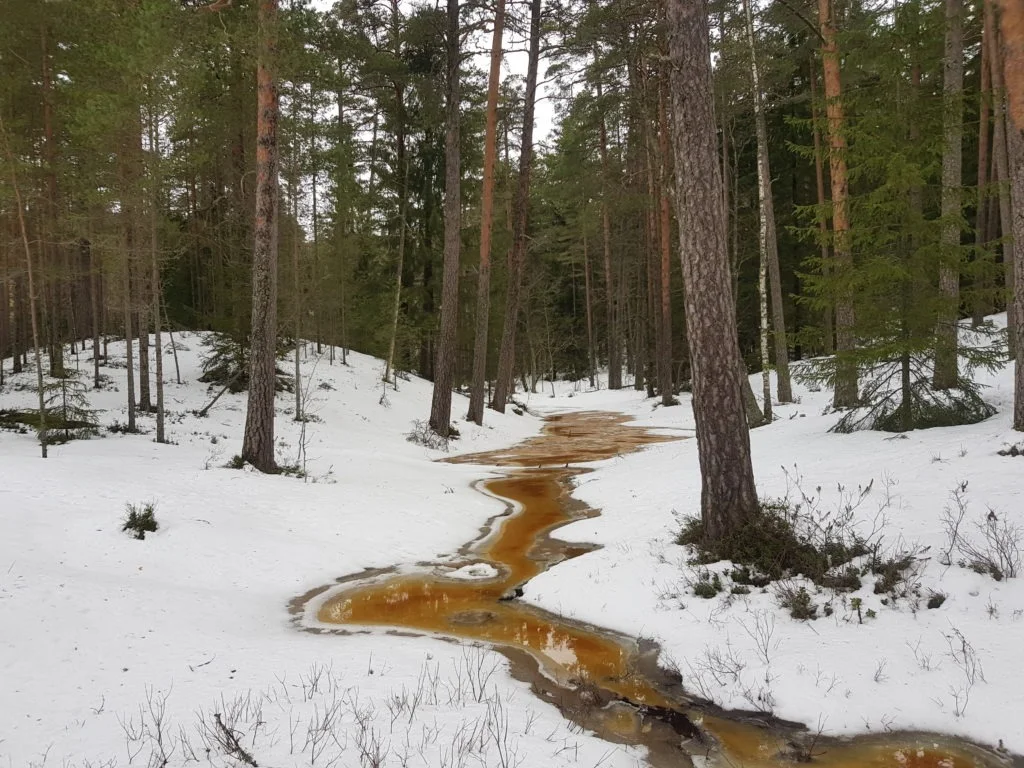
903	668
117	651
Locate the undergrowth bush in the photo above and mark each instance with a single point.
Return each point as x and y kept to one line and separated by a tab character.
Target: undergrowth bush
140	519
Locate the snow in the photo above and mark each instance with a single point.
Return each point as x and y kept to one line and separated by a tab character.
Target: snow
100	630
473	572
897	671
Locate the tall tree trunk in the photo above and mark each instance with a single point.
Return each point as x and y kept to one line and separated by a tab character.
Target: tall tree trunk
483	286
728	495
154	279
1012	54
665	240
129	333
403	213
296	282
612	332
981	304
139	267
447	336
30	274
1002	165
258	441
340	223
94	300
1016	331
5	313
766	232
591	360
520	218
819	178
947	373
846	394
48	272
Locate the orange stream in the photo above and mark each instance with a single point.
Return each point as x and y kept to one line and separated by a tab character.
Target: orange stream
568	652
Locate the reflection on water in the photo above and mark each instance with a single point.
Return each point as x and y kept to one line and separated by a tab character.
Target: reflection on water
576	657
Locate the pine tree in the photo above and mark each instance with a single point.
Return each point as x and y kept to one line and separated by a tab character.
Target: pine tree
258	441
728	496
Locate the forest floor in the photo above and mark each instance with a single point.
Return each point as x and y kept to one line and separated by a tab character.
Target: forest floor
117	651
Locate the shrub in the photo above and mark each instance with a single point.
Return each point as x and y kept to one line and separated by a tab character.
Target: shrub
226	364
140	520
708	585
796	600
423	434
771	545
745	576
848	580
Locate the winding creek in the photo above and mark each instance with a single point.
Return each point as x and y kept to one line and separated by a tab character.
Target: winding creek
601	680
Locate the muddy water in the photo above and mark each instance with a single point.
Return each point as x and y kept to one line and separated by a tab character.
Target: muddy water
603	681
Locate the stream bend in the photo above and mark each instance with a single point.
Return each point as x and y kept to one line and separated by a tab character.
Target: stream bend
601	680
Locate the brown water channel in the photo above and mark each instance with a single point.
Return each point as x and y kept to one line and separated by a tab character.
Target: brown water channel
601	680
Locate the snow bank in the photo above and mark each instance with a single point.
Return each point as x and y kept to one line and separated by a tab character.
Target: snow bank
902	669
99	631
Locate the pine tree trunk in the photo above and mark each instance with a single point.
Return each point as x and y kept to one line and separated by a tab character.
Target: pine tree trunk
947	374
665	239
591	360
1002	165
520	218
402	161
258	441
17	326
819	178
614	342
846	394
129	334
340	230
30	274
483	286
1016	331
142	322
47	271
728	495
981	303
296	283
766	231
94	299
1012	54
5	314
447	336
154	279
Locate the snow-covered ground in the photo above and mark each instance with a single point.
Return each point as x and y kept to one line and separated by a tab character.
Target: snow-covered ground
904	667
117	651
113	650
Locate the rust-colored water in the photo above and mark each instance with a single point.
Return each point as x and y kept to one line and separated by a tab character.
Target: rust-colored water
577	657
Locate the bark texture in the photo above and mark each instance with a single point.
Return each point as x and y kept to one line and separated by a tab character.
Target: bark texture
728	495
483	286
612	332
520	218
766	232
946	368
258	442
447	336
846	393
1002	163
665	272
1012	29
